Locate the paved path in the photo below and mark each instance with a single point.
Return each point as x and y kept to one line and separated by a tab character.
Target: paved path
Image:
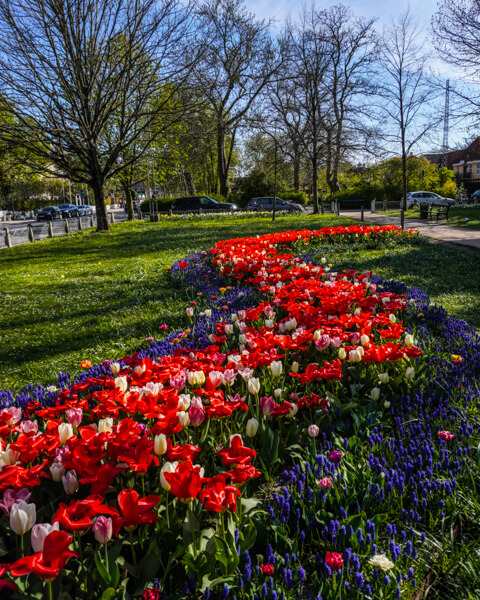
431	229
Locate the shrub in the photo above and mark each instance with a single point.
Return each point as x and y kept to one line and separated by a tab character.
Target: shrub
158	205
296	197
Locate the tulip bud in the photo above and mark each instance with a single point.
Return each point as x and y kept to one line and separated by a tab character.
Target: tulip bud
375	394
408	339
189	311
254	386
228	329
269	323
354	356
252	428
316	334
278	393
115	368
70	482
105	425
267	404
65	432
196	415
183	419
276	368
122	383
74	416
57	471
242	339
364	340
160	444
325	483
103	529
342	354
393	318
208	313
241	315
386	404
22	517
40	532
139	369
383	377
196	378
295	367
409	373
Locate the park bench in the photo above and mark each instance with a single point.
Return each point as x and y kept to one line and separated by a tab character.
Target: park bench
438	210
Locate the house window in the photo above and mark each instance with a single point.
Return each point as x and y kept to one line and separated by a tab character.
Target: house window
470	169
457	170
477	169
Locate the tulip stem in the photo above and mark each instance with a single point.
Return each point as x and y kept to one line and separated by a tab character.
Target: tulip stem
50	591
21	545
106	557
134	555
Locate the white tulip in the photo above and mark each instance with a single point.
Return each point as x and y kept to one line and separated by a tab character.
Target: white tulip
65	432
276	368
160	444
252	428
22	517
40	532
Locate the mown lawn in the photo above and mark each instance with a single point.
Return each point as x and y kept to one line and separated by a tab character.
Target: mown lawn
98	296
458	216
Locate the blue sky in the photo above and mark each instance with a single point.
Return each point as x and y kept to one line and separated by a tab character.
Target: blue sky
384	10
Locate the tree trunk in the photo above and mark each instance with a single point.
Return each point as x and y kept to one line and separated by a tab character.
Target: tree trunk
296	170
127	188
222	161
315	182
189	182
100	206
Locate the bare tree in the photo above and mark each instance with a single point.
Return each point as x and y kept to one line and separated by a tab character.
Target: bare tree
405	90
351	45
306	62
81	80
239	60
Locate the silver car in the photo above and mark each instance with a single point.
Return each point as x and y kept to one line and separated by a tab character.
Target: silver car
416	198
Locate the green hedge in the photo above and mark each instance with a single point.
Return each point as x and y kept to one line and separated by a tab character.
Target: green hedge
295	197
158	205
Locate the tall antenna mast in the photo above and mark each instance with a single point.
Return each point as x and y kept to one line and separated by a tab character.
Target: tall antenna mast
445	125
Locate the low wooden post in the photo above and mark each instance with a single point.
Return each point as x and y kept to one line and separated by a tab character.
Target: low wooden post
50	229
92	224
31	234
80	223
112	217
8	239
67	226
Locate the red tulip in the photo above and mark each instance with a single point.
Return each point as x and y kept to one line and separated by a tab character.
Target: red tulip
186	482
47	564
237	453
219	497
136	511
334	560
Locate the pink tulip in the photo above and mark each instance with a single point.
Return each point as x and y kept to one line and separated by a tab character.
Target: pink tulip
313	431
11	497
267	404
102	529
322	342
29	426
335	456
325	483
10	416
74	416
197	415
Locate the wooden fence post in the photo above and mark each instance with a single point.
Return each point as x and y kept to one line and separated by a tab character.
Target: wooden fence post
92	224
50	229
80	223
31	234
8	239
67	226
112	217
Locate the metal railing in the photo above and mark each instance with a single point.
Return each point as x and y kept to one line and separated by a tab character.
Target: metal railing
15	235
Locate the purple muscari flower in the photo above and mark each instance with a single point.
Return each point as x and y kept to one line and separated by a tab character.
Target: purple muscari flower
386	580
398	593
411	572
359	579
274	595
294	557
301	573
226	591
206	593
270	582
343	513
264	590
301	537
368	590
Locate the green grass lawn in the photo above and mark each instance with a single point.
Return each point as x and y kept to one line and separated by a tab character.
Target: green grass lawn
458	216
98	296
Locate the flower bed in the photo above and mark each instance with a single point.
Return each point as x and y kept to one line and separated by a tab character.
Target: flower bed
299	438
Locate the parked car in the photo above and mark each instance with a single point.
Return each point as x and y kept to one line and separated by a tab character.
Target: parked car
69	210
258	204
48	213
475	197
202	202
84	210
416	198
